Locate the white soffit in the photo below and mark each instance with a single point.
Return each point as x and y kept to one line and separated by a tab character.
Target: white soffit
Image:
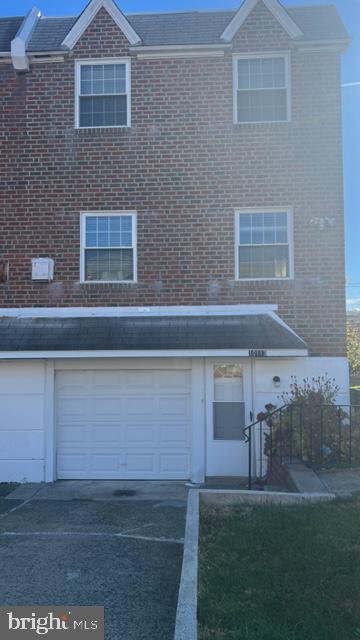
89	14
19	57
276	9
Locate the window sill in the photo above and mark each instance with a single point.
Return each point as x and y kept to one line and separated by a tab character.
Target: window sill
102	132
262	122
101	127
290	279
111	282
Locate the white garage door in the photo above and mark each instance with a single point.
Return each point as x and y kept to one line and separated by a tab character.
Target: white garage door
123	424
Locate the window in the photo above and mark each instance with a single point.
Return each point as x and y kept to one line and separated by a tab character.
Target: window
263	245
261	86
228	406
103	94
108	247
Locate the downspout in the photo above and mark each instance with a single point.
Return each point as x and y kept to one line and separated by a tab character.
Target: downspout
19	44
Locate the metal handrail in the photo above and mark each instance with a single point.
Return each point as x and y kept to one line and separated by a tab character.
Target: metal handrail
248	440
310	440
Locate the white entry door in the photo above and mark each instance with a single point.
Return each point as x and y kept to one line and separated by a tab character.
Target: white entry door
133	424
229	411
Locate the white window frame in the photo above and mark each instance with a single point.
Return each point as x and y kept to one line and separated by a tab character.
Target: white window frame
251	56
97	214
243	401
290	227
98	61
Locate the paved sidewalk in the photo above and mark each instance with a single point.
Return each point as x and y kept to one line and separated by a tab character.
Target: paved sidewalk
343	482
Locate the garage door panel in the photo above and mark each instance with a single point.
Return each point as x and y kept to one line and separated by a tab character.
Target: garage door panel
71	381
69	463
123	424
174	463
104	434
73	433
176	407
107	381
109	407
139	406
73	408
177	382
143	435
139	382
105	462
174	434
141	463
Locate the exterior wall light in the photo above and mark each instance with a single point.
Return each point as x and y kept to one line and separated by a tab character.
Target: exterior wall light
276	381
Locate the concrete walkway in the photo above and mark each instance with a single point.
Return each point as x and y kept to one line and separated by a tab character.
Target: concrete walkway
343	482
117	544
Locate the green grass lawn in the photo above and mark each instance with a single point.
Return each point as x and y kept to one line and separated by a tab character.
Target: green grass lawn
280	573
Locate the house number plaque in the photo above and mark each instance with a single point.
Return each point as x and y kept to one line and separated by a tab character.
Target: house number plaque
257	353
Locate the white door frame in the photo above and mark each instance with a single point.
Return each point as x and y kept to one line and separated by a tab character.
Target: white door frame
226	456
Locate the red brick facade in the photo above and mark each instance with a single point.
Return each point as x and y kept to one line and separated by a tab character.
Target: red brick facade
184	167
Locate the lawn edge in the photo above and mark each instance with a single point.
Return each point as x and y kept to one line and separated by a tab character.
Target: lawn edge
230	497
186	625
186	614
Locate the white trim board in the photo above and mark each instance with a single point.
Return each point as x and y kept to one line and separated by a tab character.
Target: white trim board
191	53
173	353
124	312
88	15
274	6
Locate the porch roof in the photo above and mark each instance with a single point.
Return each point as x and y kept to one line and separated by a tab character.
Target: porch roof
262	331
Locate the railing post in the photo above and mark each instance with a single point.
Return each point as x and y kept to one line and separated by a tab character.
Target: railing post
321	434
261	450
271	446
339	427
350	437
250	469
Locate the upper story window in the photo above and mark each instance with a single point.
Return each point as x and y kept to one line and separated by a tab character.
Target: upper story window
261	89
263	245
108	247
102	93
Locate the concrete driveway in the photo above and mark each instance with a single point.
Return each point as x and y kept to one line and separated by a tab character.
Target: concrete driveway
117	544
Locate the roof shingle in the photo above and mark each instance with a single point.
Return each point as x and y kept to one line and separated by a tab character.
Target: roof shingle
317	22
154	333
8	30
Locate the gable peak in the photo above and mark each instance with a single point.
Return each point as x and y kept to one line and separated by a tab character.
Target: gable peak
274	6
88	15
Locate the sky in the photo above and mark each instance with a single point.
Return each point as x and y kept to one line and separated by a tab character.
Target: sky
350	12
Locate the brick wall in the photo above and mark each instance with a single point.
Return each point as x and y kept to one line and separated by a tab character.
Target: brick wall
183	166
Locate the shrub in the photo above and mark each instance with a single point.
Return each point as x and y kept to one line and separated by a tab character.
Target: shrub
312	427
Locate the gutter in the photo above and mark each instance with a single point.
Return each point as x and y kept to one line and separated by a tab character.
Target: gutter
19	56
